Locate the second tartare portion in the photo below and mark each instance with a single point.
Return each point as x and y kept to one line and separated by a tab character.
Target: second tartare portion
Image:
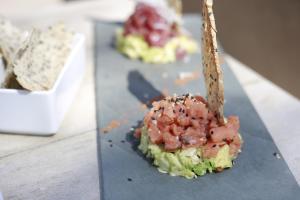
185	139
147	35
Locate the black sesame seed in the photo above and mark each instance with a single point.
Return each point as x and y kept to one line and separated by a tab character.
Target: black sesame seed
111	145
109	140
152	118
186	115
211	132
180	109
214	145
174	111
193	118
123	141
129	179
183	111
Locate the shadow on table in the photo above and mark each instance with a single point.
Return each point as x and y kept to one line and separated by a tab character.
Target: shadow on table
142	89
146	93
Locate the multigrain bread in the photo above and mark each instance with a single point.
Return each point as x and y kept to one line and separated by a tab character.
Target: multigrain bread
211	65
11	38
42	57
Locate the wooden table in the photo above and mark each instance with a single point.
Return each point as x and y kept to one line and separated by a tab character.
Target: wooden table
65	166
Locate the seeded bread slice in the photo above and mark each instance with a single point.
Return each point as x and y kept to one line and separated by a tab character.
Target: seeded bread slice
42	57
11	38
211	66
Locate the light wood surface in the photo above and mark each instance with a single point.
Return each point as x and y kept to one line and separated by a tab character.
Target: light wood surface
65	166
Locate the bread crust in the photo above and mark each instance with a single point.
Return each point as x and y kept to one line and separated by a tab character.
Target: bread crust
42	57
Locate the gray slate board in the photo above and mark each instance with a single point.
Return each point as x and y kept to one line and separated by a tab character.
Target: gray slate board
121	86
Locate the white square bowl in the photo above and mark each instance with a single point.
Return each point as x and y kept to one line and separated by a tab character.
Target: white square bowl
41	112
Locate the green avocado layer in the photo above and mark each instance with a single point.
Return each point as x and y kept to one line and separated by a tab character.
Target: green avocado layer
186	162
135	47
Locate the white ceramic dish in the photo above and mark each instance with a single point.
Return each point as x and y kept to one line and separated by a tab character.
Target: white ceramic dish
41	113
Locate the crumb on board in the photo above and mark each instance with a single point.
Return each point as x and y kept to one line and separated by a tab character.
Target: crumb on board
186	77
113	124
277	155
146	95
143	107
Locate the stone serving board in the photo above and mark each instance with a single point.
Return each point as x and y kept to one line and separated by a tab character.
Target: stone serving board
123	86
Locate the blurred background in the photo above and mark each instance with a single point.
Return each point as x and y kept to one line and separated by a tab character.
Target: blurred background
263	34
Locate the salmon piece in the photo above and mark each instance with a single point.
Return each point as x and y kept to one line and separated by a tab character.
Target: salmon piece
198	110
176	130
210	150
182	120
171	142
193	138
155	135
